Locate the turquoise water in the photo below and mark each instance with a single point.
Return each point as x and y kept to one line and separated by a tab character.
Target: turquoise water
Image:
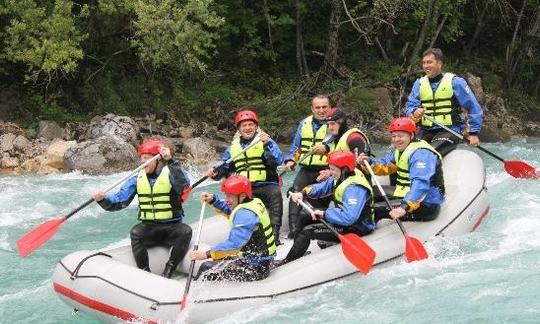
489	276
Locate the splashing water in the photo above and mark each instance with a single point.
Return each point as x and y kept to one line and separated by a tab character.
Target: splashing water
487	276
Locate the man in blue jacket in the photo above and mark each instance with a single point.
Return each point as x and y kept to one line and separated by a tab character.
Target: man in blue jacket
310	132
259	164
159	188
419	190
249	249
353	211
442	96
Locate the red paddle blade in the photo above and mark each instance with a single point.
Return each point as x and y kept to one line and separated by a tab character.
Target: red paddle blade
414	249
183	303
357	251
520	169
280	182
30	241
185	194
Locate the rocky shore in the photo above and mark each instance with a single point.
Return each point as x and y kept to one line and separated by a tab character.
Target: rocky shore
107	144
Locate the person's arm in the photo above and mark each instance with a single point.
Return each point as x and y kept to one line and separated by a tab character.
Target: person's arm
178	177
354	199
295	144
223	169
221	205
122	198
385	165
422	166
413	101
243	226
467	100
272	153
319	190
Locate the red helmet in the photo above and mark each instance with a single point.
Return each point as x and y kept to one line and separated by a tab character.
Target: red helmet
404	124
334	114
342	159
245	115
150	147
236	184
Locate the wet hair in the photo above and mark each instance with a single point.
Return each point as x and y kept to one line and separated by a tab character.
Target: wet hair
436	52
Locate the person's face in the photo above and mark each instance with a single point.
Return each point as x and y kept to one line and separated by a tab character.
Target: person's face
232	200
333	127
431	66
247	129
319	106
401	140
149	169
335	171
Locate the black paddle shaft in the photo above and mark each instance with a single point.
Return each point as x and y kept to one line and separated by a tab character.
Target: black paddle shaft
74	211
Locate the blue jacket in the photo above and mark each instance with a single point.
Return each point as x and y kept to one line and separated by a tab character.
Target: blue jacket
244	224
421	190
297	140
354	199
463	94
123	197
273	157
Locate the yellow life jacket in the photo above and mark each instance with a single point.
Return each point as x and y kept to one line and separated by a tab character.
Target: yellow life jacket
256	205
358	179
154	202
438	105
403	184
308	140
342	143
249	164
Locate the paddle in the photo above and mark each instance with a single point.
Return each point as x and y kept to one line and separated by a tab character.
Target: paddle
192	265
30	241
356	250
187	191
414	249
516	168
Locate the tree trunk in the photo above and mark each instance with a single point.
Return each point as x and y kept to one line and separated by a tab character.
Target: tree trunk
478	29
381	49
423	32
301	63
330	57
511	59
438	31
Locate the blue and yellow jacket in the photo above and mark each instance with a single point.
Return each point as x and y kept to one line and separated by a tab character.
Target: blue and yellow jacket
244	226
464	96
123	197
422	168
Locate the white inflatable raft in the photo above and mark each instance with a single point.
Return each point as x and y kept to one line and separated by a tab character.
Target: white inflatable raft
108	285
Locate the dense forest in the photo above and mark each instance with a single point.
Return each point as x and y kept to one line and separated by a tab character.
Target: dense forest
69	60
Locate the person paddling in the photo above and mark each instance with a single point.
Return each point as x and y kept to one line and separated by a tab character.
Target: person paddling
248	251
353	211
419	191
158	187
258	163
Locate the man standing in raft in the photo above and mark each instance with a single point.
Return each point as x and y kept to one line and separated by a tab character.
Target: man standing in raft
442	96
249	249
259	164
159	187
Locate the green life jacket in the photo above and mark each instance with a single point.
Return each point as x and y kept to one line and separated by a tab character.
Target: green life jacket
342	143
403	184
262	240
154	202
308	140
439	105
249	164
357	179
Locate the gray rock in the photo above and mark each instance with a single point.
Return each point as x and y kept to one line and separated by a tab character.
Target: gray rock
21	143
50	130
103	155
6	142
111	125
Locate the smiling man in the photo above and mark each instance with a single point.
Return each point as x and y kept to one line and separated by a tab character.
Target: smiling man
443	96
419	190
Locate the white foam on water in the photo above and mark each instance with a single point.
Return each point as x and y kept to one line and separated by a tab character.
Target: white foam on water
22	294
